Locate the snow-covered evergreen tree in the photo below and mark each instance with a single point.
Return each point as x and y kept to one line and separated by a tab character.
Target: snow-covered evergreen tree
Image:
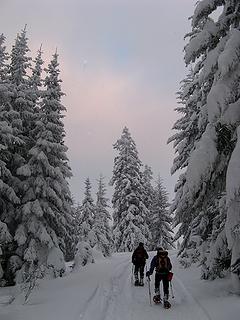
7	194
72	240
147	177
3	59
212	169
218	257
101	228
36	82
86	216
162	234
190	127
5	239
76	219
35	202
45	225
130	213
8	197
21	101
20	109
52	110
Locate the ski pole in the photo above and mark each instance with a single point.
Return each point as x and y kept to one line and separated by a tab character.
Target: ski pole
132	276
171	289
146	269
149	291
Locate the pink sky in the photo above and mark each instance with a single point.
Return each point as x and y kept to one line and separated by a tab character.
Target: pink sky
121	63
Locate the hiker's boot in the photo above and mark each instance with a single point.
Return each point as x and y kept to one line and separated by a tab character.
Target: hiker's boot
141	282
166	303
157	298
136	280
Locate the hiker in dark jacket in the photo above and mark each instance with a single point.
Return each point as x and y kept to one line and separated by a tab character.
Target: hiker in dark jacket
139	257
162	265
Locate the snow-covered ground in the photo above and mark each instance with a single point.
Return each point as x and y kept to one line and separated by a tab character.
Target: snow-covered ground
103	291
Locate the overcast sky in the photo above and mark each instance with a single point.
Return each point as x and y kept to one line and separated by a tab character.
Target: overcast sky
121	63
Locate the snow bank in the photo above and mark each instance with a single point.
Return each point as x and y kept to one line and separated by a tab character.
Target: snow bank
56	262
83	256
97	254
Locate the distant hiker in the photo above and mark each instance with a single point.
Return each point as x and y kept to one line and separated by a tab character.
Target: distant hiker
162	265
139	260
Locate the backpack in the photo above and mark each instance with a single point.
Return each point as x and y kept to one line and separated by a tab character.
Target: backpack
162	264
140	255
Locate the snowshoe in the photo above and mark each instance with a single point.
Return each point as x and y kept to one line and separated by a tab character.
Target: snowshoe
166	304
157	299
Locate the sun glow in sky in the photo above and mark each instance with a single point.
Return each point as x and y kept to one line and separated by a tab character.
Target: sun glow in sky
121	63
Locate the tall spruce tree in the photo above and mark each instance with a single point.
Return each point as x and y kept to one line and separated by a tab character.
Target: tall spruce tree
45	228
21	101
53	111
15	115
101	228
8	197
36	82
212	168
35	213
130	213
26	247
6	135
3	60
191	97
162	234
21	112
86	216
147	177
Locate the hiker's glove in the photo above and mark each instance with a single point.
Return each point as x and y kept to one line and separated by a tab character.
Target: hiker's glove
148	274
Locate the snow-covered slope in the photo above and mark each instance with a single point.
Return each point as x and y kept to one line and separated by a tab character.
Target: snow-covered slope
104	291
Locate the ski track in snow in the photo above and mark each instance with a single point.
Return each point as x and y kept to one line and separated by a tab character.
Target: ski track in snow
200	312
86	306
117	287
105	297
117	299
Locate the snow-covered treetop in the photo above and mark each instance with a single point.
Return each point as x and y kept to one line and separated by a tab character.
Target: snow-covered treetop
20	62
87	192
35	80
128	157
3	57
52	83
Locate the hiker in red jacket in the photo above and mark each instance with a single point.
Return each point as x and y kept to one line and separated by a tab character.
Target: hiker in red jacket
162	265
139	260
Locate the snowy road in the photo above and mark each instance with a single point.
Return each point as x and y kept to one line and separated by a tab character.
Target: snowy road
118	299
103	291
